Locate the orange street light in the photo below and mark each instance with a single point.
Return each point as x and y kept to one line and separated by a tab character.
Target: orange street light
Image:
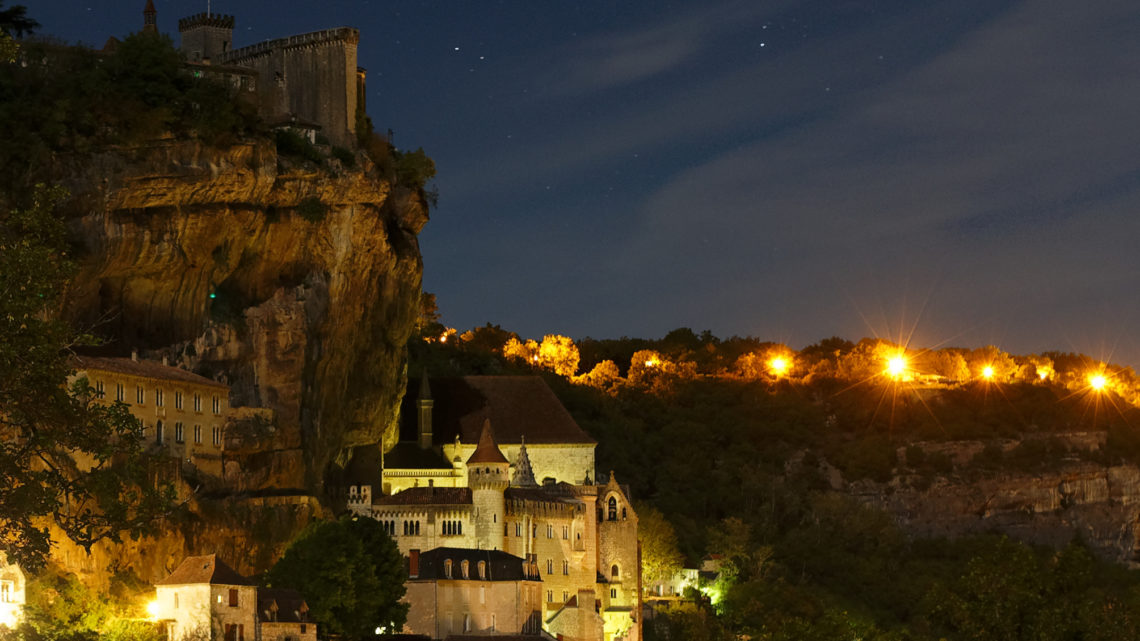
779	366
896	366
988	372
1097	382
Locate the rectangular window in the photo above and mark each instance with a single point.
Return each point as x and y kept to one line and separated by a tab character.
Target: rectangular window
6	591
197	403
233	598
549	531
565	532
217	436
566	567
157	397
550	596
178	400
198	434
613	593
140	394
120	394
518	529
217	405
179	437
99	389
565	596
158	432
550	566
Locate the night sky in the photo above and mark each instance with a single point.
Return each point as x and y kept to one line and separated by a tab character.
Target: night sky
967	172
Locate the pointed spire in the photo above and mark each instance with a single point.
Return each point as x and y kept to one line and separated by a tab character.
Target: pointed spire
425	388
524	473
487	451
150	23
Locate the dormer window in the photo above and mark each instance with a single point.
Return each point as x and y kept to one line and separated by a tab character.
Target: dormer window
465	567
447	568
613	509
482	569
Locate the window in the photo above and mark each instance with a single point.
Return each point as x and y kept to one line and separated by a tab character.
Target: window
614	572
197	403
566	567
613	593
178	400
99	389
217	436
549	531
217	406
518	529
565	596
140	394
565	532
482	595
198	434
446	567
158	432
550	566
176	600
6	592
613	509
465	568
157	397
233	597
494	622
550	596
482	569
178	436
119	392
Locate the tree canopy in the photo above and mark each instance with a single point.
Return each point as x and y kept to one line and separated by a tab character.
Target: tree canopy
351	573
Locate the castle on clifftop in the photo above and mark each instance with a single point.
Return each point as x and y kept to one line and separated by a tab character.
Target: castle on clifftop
309	82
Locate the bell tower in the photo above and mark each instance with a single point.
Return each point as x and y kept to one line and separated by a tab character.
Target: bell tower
488	476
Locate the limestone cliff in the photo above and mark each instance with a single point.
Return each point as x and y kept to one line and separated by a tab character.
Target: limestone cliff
201	254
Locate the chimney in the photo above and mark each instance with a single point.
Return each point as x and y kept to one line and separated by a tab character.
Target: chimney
413	564
135	355
424	402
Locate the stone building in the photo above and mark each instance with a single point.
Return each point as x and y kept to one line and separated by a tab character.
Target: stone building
309	81
182	414
206	599
478	592
13	595
581	536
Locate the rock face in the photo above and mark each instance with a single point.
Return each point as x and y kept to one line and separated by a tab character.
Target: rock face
1099	503
202	255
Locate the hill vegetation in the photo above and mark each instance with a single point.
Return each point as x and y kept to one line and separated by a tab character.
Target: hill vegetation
728	442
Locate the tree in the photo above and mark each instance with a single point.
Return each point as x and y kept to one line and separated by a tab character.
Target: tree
558	354
351	573
65	457
15	21
660	558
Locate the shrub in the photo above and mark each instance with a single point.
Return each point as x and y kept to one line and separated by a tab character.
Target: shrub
291	143
346	157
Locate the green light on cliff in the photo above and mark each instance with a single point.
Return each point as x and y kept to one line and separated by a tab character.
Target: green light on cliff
213	295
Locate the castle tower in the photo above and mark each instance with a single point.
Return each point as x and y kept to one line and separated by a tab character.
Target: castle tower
618	553
524	473
424	404
488	476
150	18
205	37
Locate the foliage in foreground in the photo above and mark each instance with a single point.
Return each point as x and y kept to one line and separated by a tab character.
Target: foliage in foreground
65	458
351	573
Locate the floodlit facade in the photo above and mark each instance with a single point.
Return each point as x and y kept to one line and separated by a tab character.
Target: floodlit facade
13	595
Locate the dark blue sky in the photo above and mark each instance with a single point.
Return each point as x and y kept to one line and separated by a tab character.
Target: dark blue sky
965	170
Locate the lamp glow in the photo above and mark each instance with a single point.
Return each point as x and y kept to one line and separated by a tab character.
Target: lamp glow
1097	382
988	372
153	609
779	366
896	366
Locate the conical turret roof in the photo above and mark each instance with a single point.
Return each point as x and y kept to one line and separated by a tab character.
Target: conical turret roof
487	451
524	473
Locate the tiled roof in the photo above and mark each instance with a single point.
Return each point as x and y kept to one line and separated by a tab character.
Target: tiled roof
540	494
204	569
500	565
428	496
143	368
487	451
518	407
409	456
282	606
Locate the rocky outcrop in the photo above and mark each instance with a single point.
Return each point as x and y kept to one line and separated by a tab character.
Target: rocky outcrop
1073	498
203	255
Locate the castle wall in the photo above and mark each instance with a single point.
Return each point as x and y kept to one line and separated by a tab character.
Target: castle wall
312	77
430	519
564	462
443	607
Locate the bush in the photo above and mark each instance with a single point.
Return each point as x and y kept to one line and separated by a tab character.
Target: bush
291	143
346	157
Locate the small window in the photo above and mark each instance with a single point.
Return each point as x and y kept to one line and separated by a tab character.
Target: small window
565	532
550	566
99	389
158	397
217	405
482	595
482	569
179	437
197	403
614	572
140	394
566	567
549	531
613	509
464	567
198	434
217	436
120	394
613	593
178	400
446	568
518	529
158	432
175	600
550	596
565	596
233	598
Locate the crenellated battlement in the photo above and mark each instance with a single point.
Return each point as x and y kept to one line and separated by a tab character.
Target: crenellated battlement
215	20
338	35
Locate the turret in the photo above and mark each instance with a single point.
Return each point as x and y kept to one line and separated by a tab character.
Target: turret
206	36
488	476
524	473
150	18
423	420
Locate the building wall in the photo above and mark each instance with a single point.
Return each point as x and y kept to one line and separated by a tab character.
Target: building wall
617	546
443	607
13	593
279	631
431	519
398	481
210	423
312	76
243	614
186	608
566	462
206	42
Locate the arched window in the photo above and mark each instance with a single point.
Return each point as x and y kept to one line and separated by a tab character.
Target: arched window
465	567
613	509
482	569
614	571
447	568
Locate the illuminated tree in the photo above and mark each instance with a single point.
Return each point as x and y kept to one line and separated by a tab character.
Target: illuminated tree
950	364
559	354
514	349
1001	366
660	558
604	376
